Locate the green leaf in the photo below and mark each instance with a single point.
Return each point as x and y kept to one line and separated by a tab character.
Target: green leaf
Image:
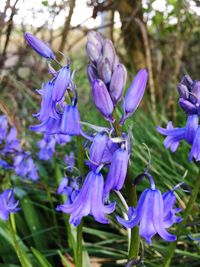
41	259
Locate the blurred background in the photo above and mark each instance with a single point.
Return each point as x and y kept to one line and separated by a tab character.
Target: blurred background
161	35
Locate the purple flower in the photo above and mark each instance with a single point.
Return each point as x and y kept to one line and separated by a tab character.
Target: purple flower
188	133
47	149
12	143
189	92
89	201
39	46
62	139
3	127
134	94
69	187
102	99
117	83
70	123
97	150
152	215
61	83
93	51
48	106
5	164
117	171
49	126
8	204
25	166
195	151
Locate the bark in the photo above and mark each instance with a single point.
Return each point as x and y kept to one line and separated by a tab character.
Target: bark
133	41
66	28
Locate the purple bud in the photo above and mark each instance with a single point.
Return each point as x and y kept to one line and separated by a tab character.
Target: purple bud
61	84
117	171
39	46
109	51
183	91
93	52
97	150
91	73
70	123
3	127
102	99
135	93
106	71
95	38
117	83
188	107
187	81
196	90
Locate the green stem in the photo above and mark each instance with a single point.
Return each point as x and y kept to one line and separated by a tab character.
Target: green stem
132	201
11	225
79	241
181	226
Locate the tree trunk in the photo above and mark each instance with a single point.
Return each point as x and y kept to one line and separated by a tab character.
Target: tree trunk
133	41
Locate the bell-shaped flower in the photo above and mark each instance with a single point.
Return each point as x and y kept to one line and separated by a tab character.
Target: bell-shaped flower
117	171
134	94
150	215
12	143
170	218
117	83
49	126
195	151
25	166
48	106
3	127
47	149
89	201
102	99
175	135
62	139
70	123
61	84
97	150
39	46
8	204
69	187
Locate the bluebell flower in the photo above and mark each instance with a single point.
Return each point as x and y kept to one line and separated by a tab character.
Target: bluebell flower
70	123
69	187
70	161
153	215
134	94
61	83
49	126
89	201
48	106
117	171
39	46
3	127
5	165
47	148
12	142
102	99
25	166
8	204
62	139
188	133
189	92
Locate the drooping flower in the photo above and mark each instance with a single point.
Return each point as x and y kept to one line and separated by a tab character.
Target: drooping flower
89	201
61	83
25	166
152	215
117	171
49	126
8	204
188	133
69	187
3	127
12	143
134	94
47	148
70	123
39	46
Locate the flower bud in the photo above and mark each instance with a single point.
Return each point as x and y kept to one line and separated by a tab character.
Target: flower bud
70	123
102	99
93	52
117	83
183	91
134	94
109	51
188	107
91	73
61	83
96	39
39	46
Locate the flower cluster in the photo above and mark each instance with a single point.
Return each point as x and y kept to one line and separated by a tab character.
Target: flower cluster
8	204
189	91
10	149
